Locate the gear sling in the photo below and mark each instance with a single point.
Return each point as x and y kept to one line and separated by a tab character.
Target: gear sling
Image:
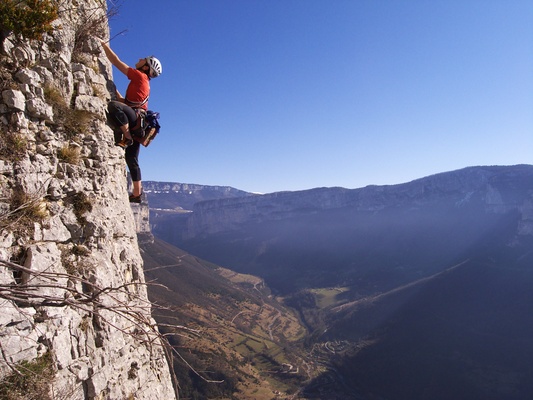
147	126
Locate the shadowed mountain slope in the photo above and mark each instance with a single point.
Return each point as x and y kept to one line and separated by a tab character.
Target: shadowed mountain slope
462	334
413	291
229	329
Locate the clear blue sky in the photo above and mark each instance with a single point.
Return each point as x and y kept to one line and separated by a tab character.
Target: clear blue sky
272	95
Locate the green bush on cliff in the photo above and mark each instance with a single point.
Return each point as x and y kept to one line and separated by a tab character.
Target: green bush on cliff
28	18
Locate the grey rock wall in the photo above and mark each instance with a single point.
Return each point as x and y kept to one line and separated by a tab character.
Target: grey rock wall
71	275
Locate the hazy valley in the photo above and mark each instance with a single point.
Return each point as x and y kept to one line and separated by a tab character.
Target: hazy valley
412	291
239	341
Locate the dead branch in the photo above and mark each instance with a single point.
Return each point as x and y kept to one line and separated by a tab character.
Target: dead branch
135	312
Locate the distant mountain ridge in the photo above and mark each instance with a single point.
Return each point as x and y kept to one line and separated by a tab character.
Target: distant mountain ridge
340	234
172	195
481	184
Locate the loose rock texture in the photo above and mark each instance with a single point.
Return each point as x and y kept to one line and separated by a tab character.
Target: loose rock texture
71	277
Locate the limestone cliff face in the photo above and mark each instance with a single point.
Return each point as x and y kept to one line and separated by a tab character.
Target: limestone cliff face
169	195
71	275
141	216
492	189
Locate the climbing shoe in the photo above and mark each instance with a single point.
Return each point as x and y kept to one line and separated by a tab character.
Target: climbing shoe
125	142
135	199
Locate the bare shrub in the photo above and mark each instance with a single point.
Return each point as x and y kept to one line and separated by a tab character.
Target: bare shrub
30	380
81	204
69	154
74	123
25	210
13	146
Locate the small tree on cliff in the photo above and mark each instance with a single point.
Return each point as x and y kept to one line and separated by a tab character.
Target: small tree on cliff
28	18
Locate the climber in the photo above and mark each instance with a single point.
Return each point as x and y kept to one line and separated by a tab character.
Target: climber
122	113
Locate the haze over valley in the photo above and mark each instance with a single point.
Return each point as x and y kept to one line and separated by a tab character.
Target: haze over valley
411	291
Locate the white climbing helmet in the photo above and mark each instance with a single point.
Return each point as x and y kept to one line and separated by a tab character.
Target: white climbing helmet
155	66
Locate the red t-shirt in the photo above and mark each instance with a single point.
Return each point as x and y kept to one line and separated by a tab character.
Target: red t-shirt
138	89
